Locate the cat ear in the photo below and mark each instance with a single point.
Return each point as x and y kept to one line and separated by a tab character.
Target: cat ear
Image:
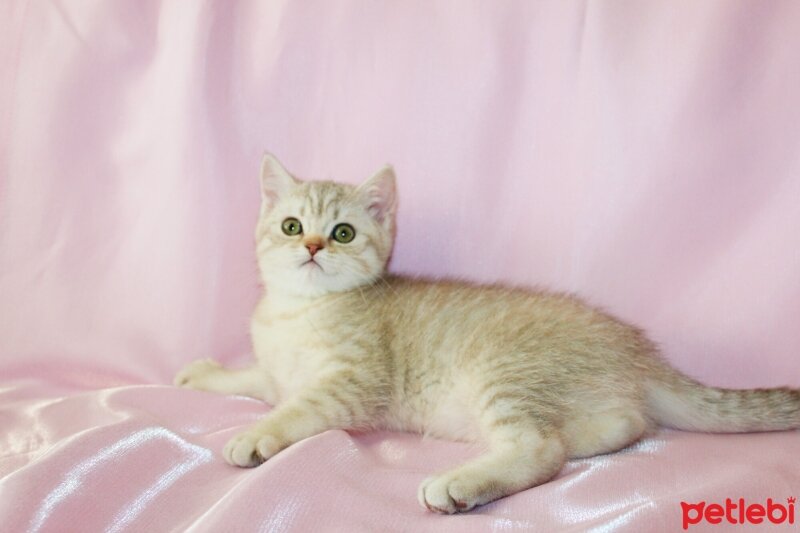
380	193
275	180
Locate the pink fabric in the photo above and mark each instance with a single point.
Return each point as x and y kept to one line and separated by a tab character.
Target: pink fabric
643	154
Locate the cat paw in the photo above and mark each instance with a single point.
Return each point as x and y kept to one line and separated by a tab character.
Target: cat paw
250	449
192	374
445	494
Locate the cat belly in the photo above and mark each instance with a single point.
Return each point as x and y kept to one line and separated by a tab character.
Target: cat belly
453	421
445	414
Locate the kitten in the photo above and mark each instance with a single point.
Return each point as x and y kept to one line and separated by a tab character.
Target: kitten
539	378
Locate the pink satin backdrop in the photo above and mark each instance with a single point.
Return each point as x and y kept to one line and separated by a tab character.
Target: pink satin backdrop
643	154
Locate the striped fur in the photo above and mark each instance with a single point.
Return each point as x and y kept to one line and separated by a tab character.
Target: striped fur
537	377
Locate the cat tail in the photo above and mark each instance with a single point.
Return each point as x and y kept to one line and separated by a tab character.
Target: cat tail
679	402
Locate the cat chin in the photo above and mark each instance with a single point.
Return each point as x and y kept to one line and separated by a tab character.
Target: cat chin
308	281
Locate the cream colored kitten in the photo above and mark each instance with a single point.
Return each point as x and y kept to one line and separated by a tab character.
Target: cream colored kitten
537	377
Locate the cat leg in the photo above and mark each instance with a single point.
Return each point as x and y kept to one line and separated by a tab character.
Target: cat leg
604	432
208	375
520	456
338	401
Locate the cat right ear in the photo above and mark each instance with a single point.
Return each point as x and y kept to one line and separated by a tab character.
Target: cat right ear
275	180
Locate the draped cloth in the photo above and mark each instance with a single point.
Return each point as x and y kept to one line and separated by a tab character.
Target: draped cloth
642	154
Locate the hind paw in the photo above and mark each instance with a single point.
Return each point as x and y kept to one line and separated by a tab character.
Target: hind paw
447	494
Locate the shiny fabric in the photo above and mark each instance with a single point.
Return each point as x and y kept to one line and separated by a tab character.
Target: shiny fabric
643	154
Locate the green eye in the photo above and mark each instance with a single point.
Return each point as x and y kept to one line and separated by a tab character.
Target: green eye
292	226
343	233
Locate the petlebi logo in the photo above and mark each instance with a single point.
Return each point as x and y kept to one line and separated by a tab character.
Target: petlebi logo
739	512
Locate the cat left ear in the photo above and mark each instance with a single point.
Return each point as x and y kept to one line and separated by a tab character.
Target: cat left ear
380	194
275	180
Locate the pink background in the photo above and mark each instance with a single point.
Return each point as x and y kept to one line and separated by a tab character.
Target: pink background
643	154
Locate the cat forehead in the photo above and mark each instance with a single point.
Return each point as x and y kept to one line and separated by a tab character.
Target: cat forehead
321	198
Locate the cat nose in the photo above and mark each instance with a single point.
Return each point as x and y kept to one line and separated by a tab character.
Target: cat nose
314	247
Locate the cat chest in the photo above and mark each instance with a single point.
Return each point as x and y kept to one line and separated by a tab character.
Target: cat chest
289	352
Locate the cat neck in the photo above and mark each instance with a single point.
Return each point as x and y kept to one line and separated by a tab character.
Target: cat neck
279	301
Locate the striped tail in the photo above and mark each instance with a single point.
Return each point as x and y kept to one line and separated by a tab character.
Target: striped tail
679	402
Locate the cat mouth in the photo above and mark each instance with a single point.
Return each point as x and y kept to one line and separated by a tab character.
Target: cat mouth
312	264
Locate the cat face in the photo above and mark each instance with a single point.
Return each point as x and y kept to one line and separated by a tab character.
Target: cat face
316	238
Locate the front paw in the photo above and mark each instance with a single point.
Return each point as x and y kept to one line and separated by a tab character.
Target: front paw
192	375
250	448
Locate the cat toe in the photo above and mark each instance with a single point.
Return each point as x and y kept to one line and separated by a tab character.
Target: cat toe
242	451
267	446
442	494
190	375
181	378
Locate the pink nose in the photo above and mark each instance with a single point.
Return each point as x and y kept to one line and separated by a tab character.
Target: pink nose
313	248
